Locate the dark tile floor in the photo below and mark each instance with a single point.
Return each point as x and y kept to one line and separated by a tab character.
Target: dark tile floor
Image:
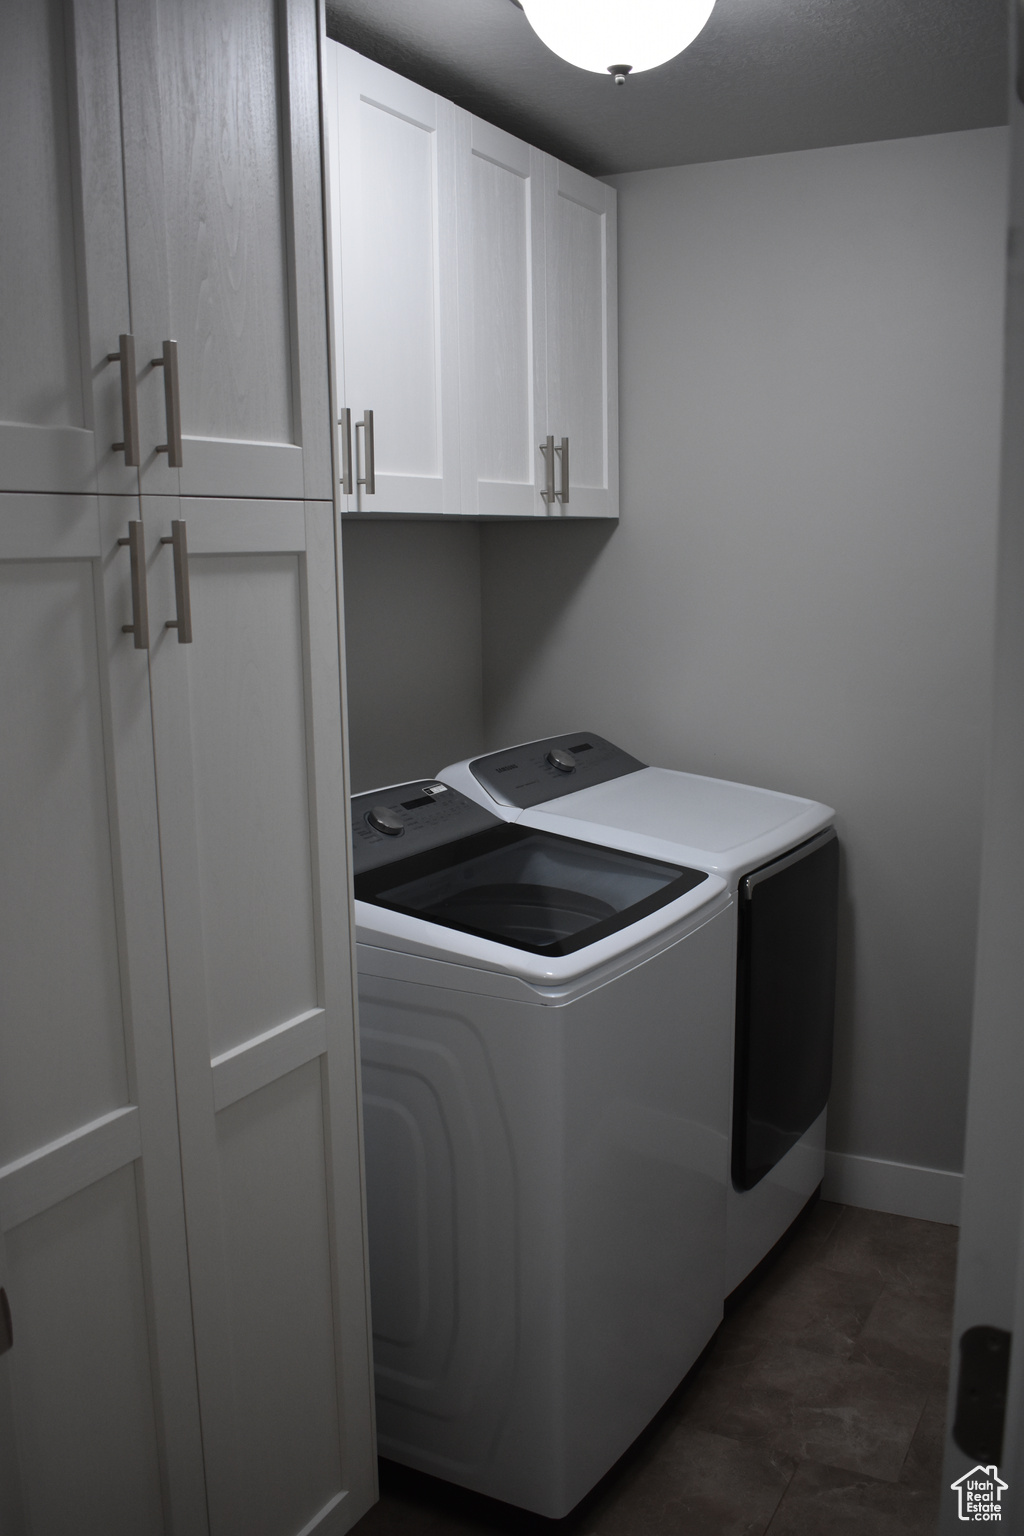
818	1409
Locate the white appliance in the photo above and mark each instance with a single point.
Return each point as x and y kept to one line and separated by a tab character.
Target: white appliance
778	855
545	1030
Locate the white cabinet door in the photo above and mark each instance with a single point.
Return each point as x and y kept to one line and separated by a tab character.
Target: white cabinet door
391	149
253	833
63	265
503	404
225	233
99	1420
582	341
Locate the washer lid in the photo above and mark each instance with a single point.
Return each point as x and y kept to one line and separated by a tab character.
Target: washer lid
531	890
393	944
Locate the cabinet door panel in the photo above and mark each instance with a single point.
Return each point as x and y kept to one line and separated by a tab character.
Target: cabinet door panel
392	151
62	248
222	160
58	947
77	1286
271	1165
501	320
100	1380
582	353
248	733
249	761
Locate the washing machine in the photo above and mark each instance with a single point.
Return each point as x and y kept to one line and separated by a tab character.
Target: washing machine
544	1027
778	855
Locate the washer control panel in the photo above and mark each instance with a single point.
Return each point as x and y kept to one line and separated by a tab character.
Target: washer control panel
543	770
390	824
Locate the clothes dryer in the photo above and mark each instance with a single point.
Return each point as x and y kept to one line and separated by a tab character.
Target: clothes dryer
544	1029
778	855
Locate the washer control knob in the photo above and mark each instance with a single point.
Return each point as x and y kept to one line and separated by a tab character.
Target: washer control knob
559	758
383	819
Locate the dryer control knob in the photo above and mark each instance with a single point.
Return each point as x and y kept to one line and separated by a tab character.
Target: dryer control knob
559	758
383	819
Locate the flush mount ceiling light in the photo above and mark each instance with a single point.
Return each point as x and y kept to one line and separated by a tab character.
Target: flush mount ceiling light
617	37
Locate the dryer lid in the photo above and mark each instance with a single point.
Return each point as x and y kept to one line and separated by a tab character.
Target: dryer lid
714	815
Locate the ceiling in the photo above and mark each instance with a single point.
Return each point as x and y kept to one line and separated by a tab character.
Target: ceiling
764	76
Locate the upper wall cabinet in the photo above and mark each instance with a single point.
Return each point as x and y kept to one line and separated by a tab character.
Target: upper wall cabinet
582	341
393	226
502	321
155	197
474	310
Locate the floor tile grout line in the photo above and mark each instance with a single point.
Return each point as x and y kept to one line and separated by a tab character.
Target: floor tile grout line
917	1426
772	1517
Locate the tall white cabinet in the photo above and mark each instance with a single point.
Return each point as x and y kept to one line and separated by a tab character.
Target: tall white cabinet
184	1344
99	1413
474	286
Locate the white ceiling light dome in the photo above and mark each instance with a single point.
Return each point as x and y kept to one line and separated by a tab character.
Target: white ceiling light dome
607	36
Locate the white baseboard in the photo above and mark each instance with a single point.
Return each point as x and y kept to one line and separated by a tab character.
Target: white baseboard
930	1194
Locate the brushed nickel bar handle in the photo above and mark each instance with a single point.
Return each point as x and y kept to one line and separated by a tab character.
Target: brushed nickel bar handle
369	480
125	355
547	449
345	423
136	542
563	454
172	405
6	1323
182	594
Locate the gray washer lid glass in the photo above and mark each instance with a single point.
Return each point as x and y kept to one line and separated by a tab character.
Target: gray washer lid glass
536	891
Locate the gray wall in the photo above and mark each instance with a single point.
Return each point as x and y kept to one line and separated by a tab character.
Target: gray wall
412	640
800	593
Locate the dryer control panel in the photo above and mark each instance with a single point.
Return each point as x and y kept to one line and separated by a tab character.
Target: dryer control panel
544	770
390	824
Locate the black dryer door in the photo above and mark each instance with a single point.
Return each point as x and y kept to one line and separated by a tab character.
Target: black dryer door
785	1004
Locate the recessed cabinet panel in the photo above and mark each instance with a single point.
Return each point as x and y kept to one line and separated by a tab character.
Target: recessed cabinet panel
392	175
581	351
63	267
227	268
87	1439
40	379
62	1055
501	314
392	333
501	299
278	1264
252	803
576	354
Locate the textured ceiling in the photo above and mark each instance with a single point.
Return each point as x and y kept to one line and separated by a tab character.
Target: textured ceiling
764	76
